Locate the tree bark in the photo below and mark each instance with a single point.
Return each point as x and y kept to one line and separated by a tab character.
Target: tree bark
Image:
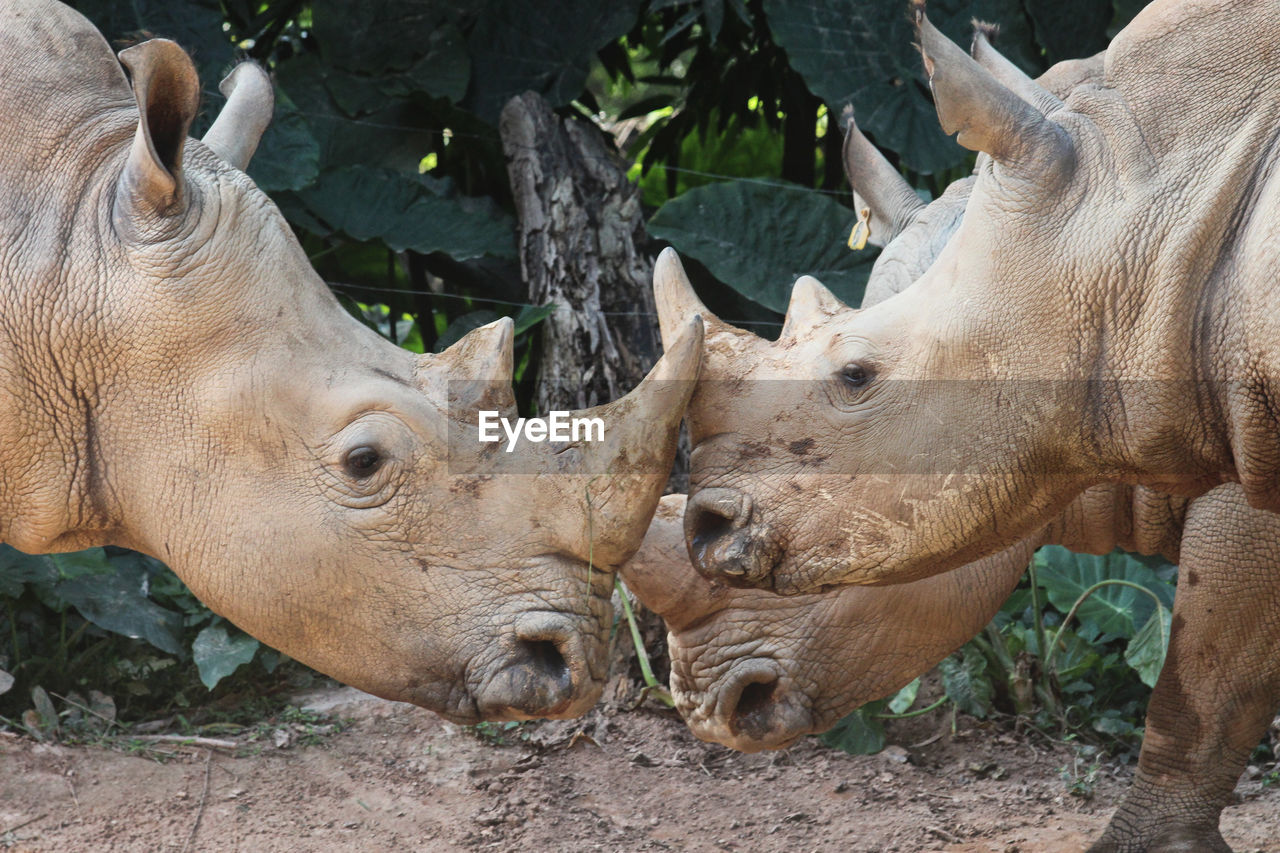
582	247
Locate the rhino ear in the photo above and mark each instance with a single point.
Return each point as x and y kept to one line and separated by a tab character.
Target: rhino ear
237	130
811	305
479	368
986	115
167	89
877	186
1006	73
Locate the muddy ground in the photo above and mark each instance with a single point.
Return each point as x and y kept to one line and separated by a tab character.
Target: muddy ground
399	778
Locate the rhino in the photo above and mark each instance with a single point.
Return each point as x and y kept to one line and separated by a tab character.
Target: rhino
753	670
175	378
1105	312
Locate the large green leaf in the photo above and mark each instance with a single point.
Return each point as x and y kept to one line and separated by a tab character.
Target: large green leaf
406	212
1112	611
1147	649
964	677
858	733
218	653
759	238
112	594
1070	30
864	54
544	46
18	569
194	24
288	158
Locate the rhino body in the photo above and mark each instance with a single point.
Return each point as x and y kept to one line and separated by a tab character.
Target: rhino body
175	378
1105	312
754	670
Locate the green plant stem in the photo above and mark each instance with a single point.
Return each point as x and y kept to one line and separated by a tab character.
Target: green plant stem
916	713
646	669
1046	674
1057	636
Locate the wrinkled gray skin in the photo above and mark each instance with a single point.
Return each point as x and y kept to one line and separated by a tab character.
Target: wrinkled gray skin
753	670
175	378
1106	312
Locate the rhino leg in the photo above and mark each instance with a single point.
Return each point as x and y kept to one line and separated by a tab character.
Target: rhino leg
1220	685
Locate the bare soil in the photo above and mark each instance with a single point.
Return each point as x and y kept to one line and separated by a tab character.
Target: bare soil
399	778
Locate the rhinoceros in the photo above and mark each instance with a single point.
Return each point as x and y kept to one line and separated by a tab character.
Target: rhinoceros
1106	312
177	379
754	670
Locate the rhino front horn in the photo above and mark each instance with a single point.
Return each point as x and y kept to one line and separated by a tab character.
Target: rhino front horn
623	476
677	301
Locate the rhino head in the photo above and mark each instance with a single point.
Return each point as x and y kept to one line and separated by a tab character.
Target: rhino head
176	378
1068	333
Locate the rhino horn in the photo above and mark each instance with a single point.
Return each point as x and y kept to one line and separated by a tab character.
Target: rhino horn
622	477
167	90
1006	73
237	130
811	304
986	115
479	368
676	301
877	186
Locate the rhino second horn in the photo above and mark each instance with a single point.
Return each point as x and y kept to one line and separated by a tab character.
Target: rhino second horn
479	368
811	305
238	129
985	115
167	91
894	204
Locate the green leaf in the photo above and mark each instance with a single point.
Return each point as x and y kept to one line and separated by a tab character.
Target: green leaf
218	654
543	46
288	157
965	680
759	238
1147	650
18	569
405	212
1112	611
113	594
459	327
864	54
532	315
904	698
194	24
1070	31
858	733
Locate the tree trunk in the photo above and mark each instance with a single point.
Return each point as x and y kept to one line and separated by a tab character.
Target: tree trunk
583	247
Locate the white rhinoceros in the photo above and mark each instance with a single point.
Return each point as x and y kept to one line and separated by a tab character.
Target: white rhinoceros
1106	312
175	378
754	670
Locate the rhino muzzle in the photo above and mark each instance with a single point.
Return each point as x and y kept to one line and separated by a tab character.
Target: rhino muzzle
724	543
543	673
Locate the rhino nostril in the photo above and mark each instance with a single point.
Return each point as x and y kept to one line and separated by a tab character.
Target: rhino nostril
714	514
752	713
546	659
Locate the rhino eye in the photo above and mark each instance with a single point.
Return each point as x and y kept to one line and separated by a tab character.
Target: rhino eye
855	375
362	462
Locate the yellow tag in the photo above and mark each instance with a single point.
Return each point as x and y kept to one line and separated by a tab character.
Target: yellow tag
861	230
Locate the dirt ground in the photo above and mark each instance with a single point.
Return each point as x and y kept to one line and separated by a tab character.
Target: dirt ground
399	778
